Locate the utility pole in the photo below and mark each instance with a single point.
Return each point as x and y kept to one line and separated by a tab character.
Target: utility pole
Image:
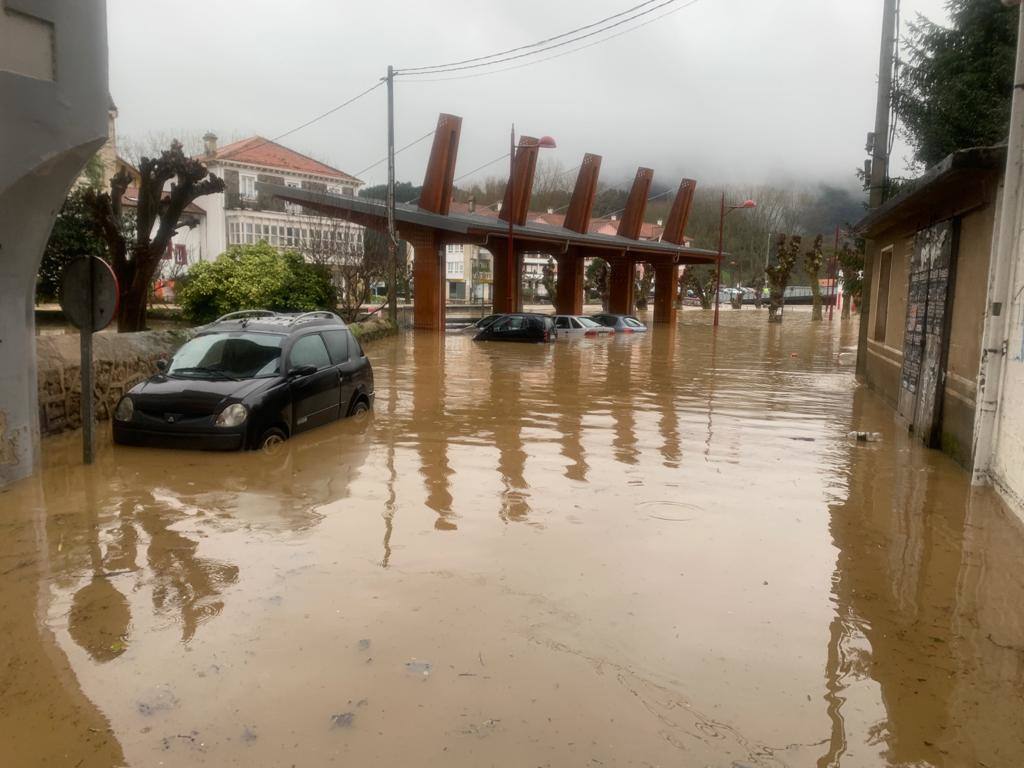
392	235
879	177
883	106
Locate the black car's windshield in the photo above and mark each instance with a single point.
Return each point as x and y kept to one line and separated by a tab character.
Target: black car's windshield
237	355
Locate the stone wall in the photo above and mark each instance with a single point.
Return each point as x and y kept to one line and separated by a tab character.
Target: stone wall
120	360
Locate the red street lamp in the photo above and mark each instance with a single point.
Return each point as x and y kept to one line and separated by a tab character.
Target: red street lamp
511	267
721	237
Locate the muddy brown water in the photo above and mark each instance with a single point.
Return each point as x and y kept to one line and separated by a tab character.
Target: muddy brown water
648	550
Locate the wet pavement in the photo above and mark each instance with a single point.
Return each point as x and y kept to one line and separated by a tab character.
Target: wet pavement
648	550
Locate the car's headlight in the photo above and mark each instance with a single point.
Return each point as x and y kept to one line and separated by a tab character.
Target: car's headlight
125	409
232	416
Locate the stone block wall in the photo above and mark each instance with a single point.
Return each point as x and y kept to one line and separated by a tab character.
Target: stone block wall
121	360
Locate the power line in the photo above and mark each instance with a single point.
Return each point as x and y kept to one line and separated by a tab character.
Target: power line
576	39
319	117
559	55
426	135
531	45
652	197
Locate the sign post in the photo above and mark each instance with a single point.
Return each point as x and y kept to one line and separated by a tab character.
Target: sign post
89	297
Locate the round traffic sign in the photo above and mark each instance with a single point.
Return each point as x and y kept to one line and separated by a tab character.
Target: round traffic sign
76	298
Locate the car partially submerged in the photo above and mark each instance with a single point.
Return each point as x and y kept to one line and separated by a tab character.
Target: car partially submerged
480	324
519	326
250	379
619	323
572	326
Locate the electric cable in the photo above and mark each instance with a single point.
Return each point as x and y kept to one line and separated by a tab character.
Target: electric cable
531	45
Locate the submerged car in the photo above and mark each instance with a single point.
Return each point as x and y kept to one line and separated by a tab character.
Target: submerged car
620	323
570	326
520	326
480	324
250	379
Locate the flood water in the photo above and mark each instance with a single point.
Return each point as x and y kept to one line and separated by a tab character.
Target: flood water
656	550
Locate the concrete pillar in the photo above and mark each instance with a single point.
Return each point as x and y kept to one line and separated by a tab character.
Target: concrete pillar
428	282
569	288
666	277
508	279
53	85
621	285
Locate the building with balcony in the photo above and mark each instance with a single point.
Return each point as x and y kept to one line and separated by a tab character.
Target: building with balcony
242	215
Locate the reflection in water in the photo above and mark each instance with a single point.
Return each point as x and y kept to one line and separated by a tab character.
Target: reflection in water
707	565
922	591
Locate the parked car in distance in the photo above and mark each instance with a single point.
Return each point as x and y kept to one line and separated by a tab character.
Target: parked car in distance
570	326
480	324
519	326
620	323
249	379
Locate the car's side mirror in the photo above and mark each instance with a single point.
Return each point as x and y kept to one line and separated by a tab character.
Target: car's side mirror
161	365
302	370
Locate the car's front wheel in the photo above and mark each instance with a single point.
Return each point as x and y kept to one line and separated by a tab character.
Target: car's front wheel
360	409
272	439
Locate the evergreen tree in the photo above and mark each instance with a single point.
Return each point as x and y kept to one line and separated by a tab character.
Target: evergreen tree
954	92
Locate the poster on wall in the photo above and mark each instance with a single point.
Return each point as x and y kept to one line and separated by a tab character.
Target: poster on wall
925	336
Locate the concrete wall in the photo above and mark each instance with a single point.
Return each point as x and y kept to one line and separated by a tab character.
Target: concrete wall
52	121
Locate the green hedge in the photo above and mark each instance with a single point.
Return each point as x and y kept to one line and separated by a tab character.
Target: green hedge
254	277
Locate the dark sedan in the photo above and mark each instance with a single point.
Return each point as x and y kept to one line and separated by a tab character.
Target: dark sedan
620	323
249	380
519	326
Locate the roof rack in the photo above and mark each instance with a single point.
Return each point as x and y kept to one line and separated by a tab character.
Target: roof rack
245	313
307	316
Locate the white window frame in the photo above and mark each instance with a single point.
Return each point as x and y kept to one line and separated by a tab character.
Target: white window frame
242	178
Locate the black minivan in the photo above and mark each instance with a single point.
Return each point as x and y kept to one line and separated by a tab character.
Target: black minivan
250	379
519	326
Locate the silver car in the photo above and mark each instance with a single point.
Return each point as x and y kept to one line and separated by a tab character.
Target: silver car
572	326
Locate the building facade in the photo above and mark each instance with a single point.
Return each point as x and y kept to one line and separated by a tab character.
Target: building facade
242	215
926	279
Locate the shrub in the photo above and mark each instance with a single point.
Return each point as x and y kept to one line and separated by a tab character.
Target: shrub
254	277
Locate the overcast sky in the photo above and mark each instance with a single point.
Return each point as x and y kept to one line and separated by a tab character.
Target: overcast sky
740	91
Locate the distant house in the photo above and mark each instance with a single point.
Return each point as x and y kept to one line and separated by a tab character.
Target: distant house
926	280
242	215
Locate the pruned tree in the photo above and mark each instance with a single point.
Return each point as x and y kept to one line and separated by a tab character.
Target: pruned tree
597	278
135	251
851	262
778	274
813	259
644	284
548	279
700	280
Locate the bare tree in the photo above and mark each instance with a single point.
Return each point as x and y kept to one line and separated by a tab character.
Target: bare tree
356	258
135	253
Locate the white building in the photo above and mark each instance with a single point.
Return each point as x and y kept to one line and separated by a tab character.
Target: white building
241	215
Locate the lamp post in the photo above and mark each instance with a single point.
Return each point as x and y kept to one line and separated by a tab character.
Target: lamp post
511	267
721	239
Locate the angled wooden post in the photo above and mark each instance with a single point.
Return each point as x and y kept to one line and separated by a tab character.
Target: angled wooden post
525	167
636	204
439	179
675	227
577	218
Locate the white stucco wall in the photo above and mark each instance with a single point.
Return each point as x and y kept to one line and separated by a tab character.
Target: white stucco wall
1007	464
51	122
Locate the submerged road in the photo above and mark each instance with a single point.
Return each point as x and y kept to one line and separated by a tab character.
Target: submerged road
646	550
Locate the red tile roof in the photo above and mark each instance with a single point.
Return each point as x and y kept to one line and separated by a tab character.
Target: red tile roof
259	151
130	198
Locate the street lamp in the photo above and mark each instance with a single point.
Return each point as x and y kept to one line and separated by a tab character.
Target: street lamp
511	267
721	237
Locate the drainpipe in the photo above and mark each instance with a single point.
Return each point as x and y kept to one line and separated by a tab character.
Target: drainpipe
1002	280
